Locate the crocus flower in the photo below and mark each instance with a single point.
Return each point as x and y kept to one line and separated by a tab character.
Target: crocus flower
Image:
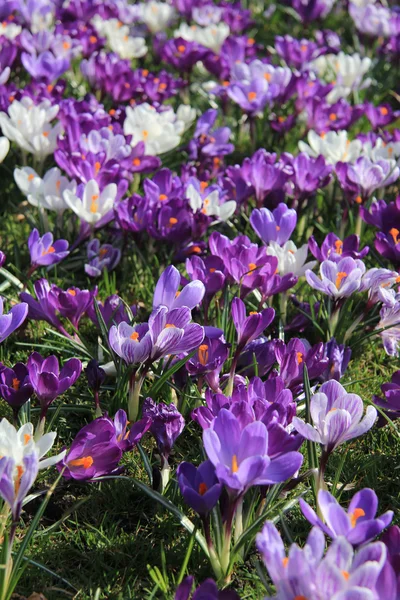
341	574
391	401
101	257
43	308
291	359
338	356
113	311
334	249
199	486
15	385
172	332
338	280
309	175
94	204
132	344
290	258
167	424
364	177
94	451
44	251
206	591
208	360
20	462
276	226
166	292
359	524
337	417
389	327
48	380
12	320
333	146
72	303
240	455
251	327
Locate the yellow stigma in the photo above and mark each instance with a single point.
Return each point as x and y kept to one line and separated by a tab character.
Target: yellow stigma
235	467
339	278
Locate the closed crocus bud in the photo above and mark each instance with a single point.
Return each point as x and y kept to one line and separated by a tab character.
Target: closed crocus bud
2	259
95	375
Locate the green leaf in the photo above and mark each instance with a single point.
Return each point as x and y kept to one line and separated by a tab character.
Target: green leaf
156	387
311	447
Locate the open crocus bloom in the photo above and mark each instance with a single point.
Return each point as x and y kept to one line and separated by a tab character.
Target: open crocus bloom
338	279
337	417
359	524
94	204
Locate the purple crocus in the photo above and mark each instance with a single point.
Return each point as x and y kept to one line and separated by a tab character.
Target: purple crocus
167	424
333	248
276	226
309	175
132	343
305	573
128	438
292	357
94	451
209	360
172	332
44	251
391	401
166	292
72	303
252	96
359	524
337	417
208	590
240	455
363	177
338	356
12	320
199	487
45	66
15	385
113	311
251	327
42	309
338	280
101	257
48	380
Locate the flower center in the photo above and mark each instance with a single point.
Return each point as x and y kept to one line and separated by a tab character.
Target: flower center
181	48
49	250
234	467
299	356
84	462
20	472
173	221
395	234
252	267
203	354
15	384
170	326
202	489
162	197
346	575
97	166
94	204
145	133
285	561
72	292
252	96
338	246
384	111
136	162
27	438
134	336
332	117
355	515
339	278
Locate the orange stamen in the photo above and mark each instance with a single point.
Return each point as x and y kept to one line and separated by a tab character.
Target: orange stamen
202	489
203	354
355	515
339	278
235	467
84	462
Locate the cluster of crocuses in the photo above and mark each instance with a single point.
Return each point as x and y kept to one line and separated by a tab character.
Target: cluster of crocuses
246	172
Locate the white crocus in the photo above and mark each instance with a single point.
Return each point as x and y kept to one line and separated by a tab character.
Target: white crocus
4	148
160	131
28	125
186	114
333	146
290	258
119	38
210	204
345	71
17	444
156	15
211	37
9	30
94	204
382	150
47	192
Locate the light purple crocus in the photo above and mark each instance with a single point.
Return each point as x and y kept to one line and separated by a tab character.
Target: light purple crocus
358	524
338	279
306	573
132	343
337	417
101	257
240	455
276	226
12	320
365	176
166	292
172	332
44	251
